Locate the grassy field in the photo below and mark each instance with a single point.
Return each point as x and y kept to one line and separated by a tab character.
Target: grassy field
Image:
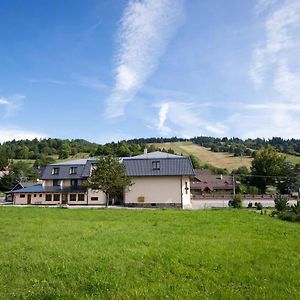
217	159
55	157
53	253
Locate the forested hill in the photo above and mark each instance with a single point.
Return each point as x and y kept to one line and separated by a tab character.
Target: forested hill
46	150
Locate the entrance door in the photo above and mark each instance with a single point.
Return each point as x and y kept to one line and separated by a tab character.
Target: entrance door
64	199
29	199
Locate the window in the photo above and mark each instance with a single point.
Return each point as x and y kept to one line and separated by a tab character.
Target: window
56	182
48	197
34	195
56	197
74	182
22	196
41	195
156	165
55	171
73	170
94	198
72	197
80	197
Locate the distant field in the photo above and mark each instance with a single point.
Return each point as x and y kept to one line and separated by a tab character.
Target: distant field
54	253
220	160
293	158
217	159
78	155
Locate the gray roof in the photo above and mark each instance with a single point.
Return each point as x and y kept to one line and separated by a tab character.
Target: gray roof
140	165
179	166
83	169
39	188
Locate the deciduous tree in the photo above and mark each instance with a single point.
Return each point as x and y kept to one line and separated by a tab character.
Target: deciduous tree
109	176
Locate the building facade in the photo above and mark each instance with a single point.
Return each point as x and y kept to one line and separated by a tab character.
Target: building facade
158	180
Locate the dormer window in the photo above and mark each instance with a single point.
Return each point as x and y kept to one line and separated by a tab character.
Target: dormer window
73	170
156	165
55	171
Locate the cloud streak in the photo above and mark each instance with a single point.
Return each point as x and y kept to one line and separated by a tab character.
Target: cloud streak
186	119
12	104
281	43
145	30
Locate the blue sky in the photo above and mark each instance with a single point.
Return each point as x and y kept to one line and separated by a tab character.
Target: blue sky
111	70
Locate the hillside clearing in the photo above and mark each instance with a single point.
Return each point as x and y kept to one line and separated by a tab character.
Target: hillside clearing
217	159
52	253
223	160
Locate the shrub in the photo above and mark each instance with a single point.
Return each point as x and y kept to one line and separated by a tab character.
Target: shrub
287	216
258	205
281	202
236	202
250	205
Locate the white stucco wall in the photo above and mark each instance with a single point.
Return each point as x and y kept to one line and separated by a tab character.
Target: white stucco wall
96	193
157	189
186	192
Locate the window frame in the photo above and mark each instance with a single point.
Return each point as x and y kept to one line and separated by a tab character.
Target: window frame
73	171
56	181
56	195
55	171
156	165
72	196
79	197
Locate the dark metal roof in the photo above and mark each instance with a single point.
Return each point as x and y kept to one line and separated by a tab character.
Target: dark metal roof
83	169
39	188
179	166
64	172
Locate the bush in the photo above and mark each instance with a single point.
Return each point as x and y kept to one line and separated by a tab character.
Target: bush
281	202
236	202
258	205
287	216
250	205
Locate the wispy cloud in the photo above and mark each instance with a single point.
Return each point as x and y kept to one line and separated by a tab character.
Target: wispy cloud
275	72
145	30
12	104
84	81
263	5
185	119
162	117
4	101
281	41
7	134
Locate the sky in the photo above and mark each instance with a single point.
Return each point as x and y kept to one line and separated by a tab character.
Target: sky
106	70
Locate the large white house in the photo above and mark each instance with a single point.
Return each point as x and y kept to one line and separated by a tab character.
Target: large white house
159	180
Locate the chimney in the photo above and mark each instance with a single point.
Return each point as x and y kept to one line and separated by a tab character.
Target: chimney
145	150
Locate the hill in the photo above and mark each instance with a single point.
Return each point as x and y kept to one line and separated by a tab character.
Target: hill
224	160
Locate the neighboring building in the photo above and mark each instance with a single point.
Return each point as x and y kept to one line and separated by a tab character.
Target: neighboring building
159	179
62	183
204	182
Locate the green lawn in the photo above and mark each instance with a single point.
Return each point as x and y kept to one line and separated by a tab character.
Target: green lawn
53	253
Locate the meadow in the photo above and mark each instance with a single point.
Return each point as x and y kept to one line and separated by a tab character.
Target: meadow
55	253
223	160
